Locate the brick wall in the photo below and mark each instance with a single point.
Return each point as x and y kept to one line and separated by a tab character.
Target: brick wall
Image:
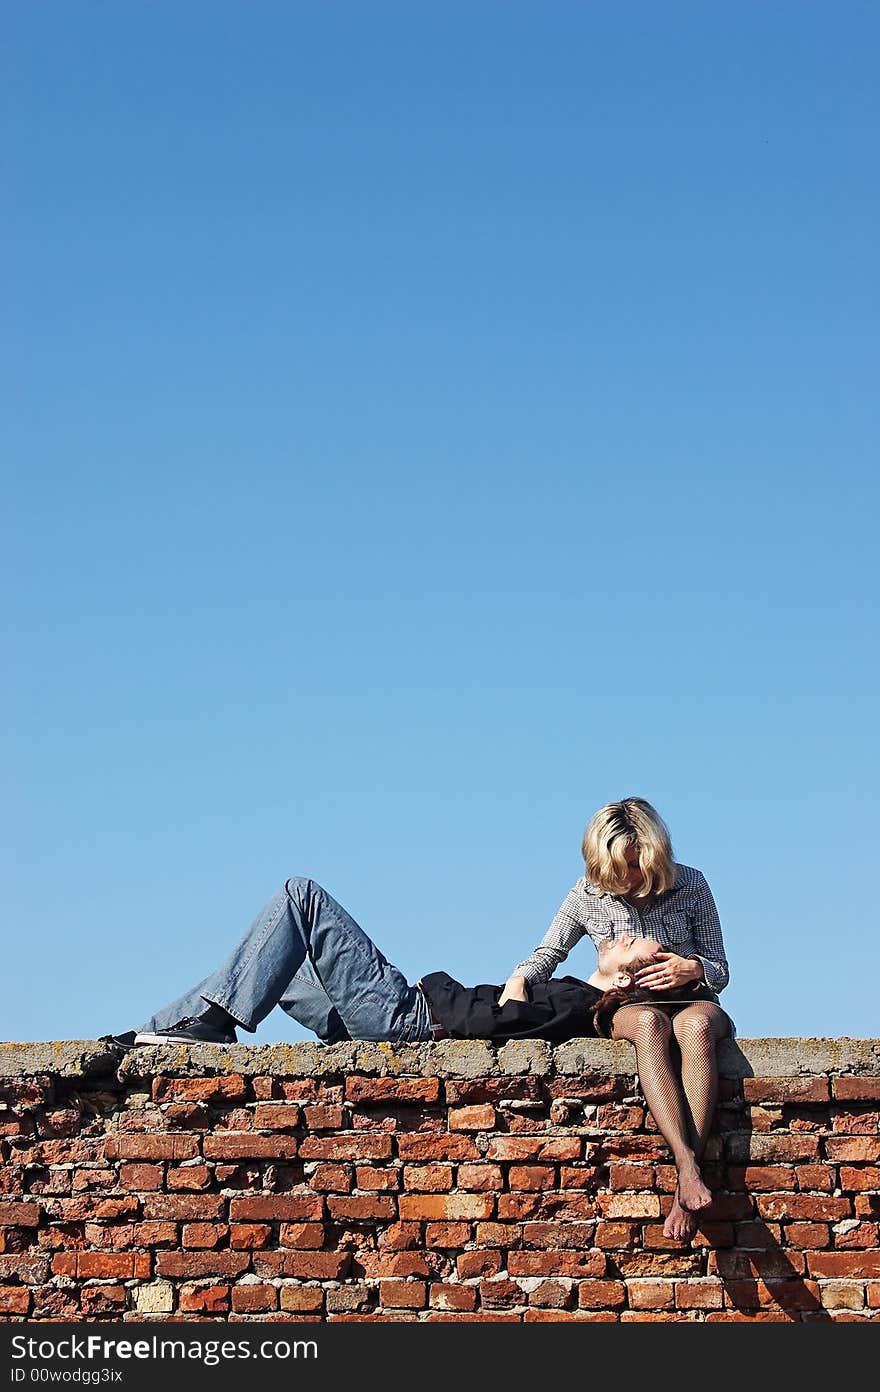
449	1181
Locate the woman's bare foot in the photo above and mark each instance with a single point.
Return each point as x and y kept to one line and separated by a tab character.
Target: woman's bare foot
692	1193
680	1225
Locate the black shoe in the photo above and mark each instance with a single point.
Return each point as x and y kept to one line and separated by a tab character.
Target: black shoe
118	1041
193	1030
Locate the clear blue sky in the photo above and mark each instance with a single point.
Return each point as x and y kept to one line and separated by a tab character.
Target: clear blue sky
427	423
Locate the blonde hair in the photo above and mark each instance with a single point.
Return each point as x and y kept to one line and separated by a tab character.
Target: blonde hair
612	831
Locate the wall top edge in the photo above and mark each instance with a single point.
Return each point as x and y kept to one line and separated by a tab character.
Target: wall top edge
454	1058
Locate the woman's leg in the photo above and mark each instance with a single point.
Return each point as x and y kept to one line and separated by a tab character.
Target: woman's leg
650	1030
345	973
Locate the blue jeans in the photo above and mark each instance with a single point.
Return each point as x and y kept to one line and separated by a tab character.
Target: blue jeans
306	954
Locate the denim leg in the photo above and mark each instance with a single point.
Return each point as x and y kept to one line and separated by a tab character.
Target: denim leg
346	972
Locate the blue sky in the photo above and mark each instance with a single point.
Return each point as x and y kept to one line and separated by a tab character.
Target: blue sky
427	423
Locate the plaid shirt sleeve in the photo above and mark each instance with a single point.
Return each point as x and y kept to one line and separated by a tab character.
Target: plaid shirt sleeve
706	931
567	929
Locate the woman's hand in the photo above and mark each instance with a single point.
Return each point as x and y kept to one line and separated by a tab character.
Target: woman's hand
667	970
514	989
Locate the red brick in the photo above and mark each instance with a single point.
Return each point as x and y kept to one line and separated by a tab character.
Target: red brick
276	1116
445	1296
457	1147
254	1298
24	1215
501	1294
856	1121
867	1178
611	1235
573	1264
788	1295
481	1178
776	1149
334	1179
860	1236
403	1295
622	1176
151	1147
484	1263
601	1295
531	1177
229	1087
309	1235
188	1177
552	1295
208	1299
534	1148
245	1145
193	1116
478	1118
204	1234
245	1235
392	1089
64	1264
154	1234
384	1265
629	1205
399	1237
422	1207
786	1089
303	1299
820	1208
323	1118
613	1117
109	1264
184	1207
361	1209
15	1300
305	1266
360	1147
819	1177
106	1236
464	1091
201	1263
853	1148
807	1235
857	1089
428	1179
699	1295
141	1176
371	1177
516	1207
443	1236
859	1265
650	1295
103	1299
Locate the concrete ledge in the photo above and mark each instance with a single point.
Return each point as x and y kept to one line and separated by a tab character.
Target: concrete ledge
459	1058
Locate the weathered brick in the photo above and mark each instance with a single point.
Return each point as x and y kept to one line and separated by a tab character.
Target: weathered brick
534	1148
853	1179
791	1295
857	1089
103	1299
302	1299
601	1295
254	1298
188	1177
245	1235
443	1236
428	1179
24	1215
561	1263
184	1207
457	1147
246	1145
392	1089
654	1294
118	1264
531	1177
477	1118
786	1089
276	1116
481	1178
853	1148
201	1263
855	1264
699	1294
212	1299
151	1147
372	1177
226	1087
15	1300
135	1176
629	1205
321	1117
204	1234
816	1177
421	1207
446	1296
360	1147
305	1266
748	1145
821	1208
807	1235
333	1179
854	1234
362	1208
482	1263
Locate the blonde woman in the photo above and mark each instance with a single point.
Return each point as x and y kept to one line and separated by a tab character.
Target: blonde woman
633	888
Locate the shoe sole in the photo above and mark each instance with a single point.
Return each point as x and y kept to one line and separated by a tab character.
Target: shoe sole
181	1039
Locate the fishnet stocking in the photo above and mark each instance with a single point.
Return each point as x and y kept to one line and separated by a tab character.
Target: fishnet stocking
681	1107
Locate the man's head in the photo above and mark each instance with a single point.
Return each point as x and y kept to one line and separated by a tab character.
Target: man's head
620	959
